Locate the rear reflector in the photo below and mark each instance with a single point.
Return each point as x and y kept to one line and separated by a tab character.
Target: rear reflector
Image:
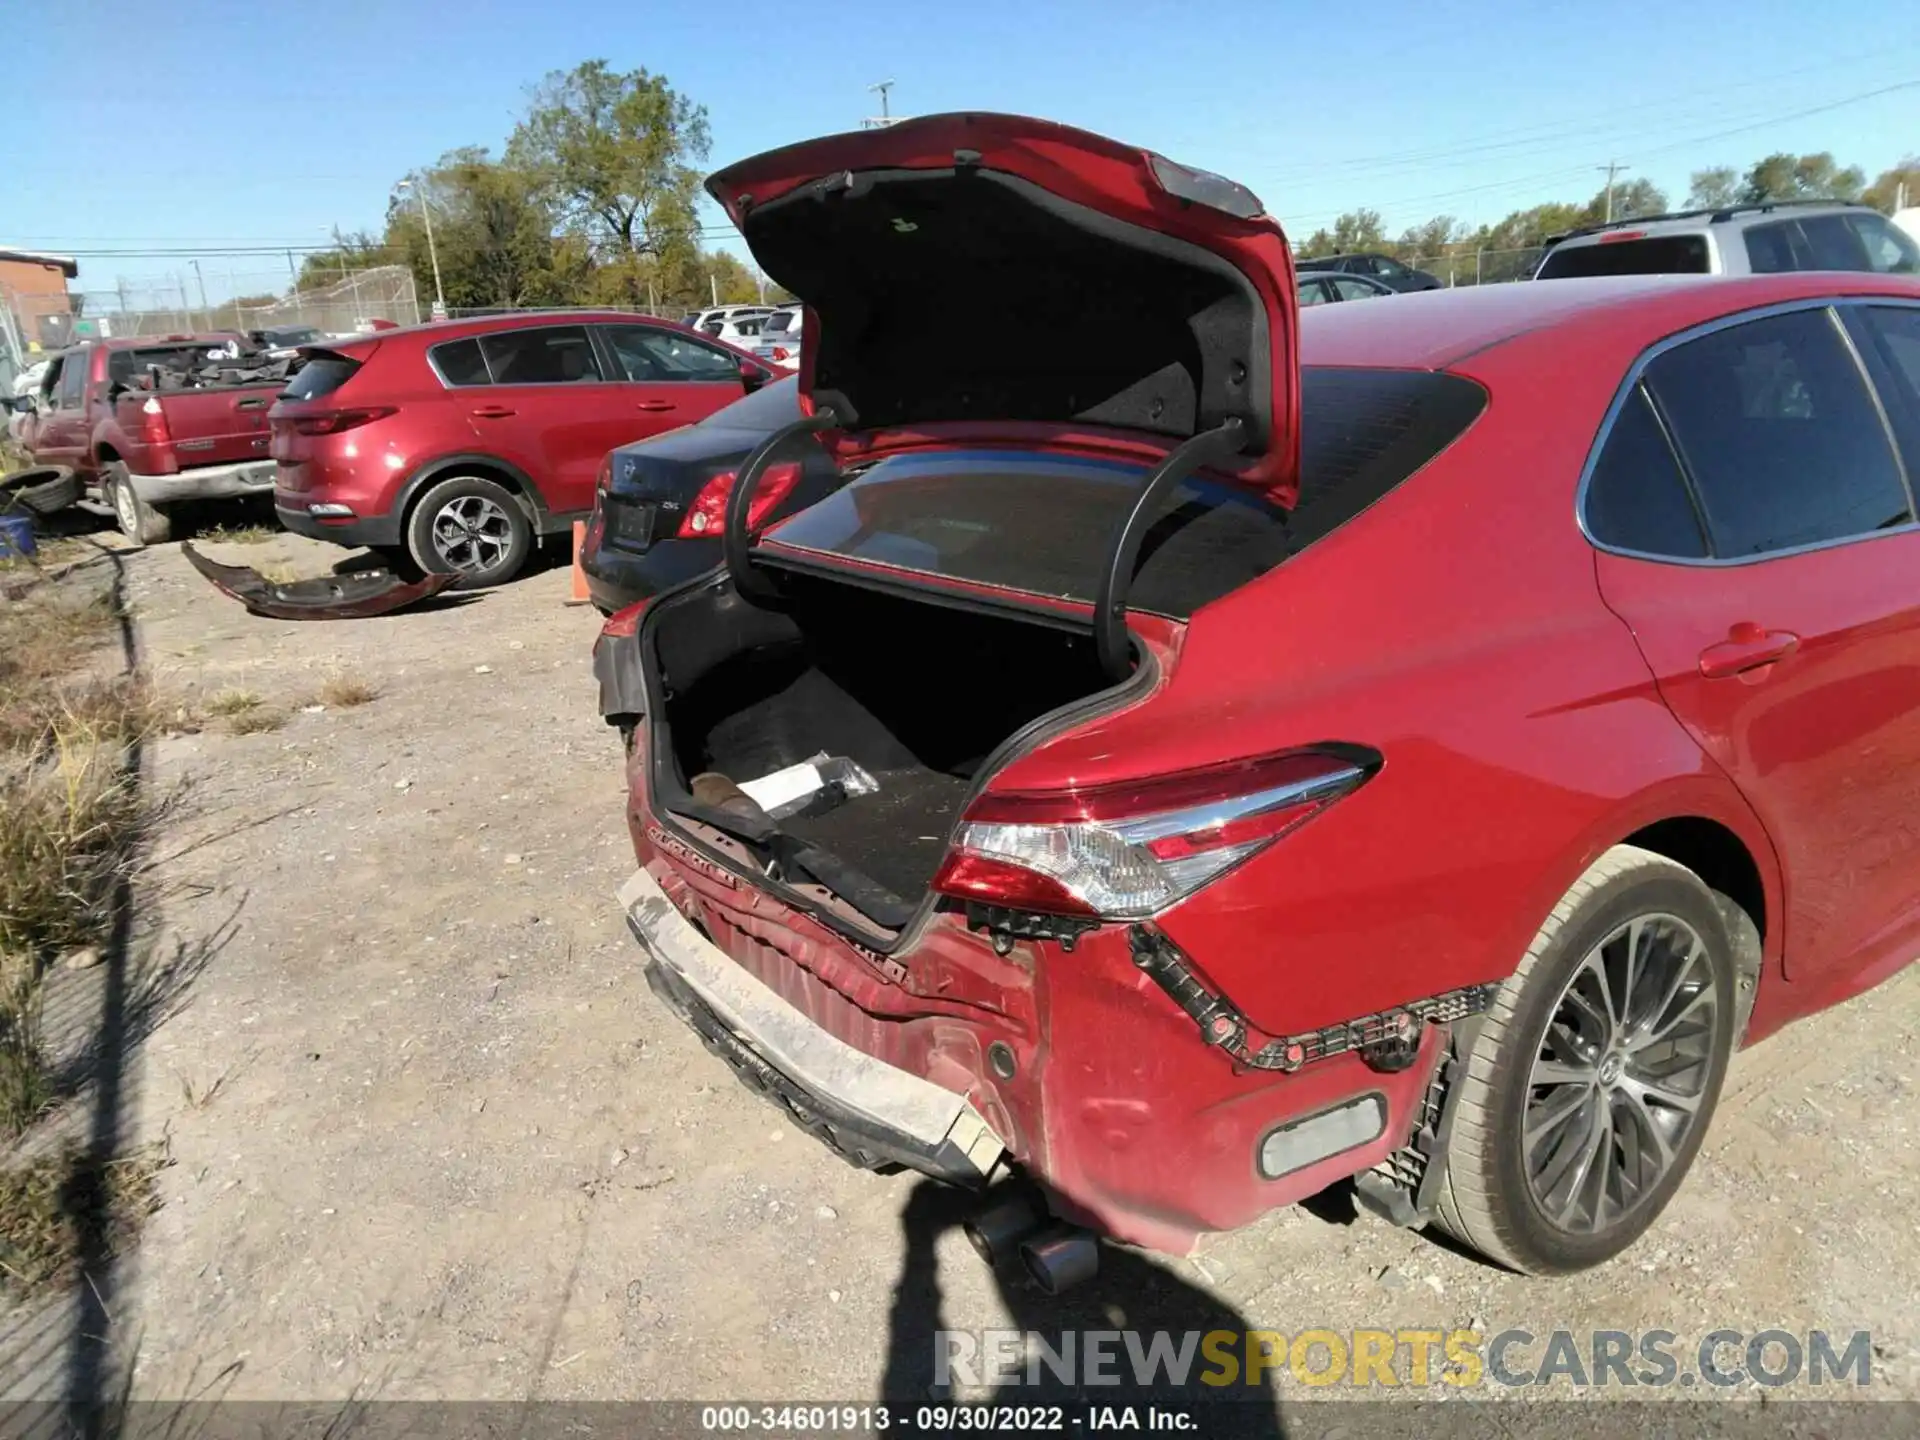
332	422
708	513
1127	851
1320	1137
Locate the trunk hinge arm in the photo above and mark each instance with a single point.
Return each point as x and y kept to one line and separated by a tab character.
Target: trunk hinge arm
1123	551
735	542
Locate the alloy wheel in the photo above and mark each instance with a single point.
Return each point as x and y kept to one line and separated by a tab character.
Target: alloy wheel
1620	1074
471	533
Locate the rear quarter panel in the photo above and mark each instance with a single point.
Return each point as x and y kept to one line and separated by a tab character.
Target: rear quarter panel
1456	627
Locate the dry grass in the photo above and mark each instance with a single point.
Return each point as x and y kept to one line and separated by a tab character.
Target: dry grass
42	1204
256	721
239	534
72	813
224	703
345	690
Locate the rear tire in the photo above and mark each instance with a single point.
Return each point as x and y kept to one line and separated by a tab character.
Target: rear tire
140	522
1594	1074
470	526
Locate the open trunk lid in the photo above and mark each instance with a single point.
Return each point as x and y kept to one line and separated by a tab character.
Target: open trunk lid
1108	299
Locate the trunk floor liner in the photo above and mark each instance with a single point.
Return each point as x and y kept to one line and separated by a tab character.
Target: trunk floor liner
895	836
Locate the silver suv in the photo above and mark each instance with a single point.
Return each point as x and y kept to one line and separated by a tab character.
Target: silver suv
1737	240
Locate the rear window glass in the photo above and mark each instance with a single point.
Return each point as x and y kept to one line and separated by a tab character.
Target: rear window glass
460	362
1041	524
324	373
1652	255
124	365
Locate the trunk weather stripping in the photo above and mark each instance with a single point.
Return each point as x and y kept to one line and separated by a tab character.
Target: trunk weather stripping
1123	551
352	595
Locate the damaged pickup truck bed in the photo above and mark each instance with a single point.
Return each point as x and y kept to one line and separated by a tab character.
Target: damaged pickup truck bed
148	423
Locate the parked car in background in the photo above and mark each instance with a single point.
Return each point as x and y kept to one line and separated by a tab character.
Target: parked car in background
1737	240
715	320
658	505
1331	287
1439	797
455	446
781	335
284	340
1384	268
144	450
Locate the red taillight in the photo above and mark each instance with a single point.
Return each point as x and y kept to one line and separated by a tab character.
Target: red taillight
1130	850
709	509
332	422
779	352
153	422
622	624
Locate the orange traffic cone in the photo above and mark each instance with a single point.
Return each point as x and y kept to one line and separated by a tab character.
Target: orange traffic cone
580	595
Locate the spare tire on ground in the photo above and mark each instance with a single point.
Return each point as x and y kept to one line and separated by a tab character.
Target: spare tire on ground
41	489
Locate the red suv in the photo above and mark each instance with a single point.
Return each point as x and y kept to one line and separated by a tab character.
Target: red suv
454	446
1414	742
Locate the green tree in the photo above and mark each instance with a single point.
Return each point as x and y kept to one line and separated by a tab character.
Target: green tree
1714	188
1631	199
349	252
493	234
616	154
1884	193
1356	230
1782	176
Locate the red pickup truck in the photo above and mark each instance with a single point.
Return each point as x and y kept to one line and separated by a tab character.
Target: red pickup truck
124	415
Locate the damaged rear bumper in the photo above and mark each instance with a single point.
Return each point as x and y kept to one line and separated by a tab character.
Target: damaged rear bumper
873	1113
350	595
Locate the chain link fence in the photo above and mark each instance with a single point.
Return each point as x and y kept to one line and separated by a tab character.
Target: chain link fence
385	292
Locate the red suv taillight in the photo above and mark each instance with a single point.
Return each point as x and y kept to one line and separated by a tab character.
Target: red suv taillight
153	423
1128	851
332	422
709	509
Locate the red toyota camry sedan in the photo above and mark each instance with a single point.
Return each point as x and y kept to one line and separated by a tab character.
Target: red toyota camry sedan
1239	750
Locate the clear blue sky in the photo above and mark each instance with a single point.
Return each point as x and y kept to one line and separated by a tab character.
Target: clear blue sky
271	123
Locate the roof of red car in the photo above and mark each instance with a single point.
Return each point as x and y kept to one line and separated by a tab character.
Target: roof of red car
437	330
1433	329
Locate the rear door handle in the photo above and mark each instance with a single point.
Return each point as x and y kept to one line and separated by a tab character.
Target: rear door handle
1747	647
254	404
491	412
656	405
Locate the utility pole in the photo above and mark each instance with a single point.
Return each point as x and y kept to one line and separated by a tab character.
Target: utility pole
201	280
433	255
186	305
885	117
1610	169
713	288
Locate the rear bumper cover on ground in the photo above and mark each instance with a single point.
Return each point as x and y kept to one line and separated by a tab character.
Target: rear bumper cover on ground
207	482
351	595
869	1110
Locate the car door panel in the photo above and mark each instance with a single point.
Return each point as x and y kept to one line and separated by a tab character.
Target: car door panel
1793	654
550	410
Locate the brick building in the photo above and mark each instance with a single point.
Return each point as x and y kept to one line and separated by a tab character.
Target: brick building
33	288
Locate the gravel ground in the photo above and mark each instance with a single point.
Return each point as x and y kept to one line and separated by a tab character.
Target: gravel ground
433	1138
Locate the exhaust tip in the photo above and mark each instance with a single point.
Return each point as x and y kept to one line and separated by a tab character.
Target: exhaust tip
996	1232
1061	1257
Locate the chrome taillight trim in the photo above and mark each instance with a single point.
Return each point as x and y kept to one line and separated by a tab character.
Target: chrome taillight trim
1197	818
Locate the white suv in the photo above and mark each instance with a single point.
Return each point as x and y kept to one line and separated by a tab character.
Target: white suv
1737	240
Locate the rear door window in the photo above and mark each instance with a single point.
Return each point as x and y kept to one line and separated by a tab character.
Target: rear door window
1041	523
1639	255
1889	341
544	355
1637	496
460	363
1812	242
658	354
1890	250
1780	434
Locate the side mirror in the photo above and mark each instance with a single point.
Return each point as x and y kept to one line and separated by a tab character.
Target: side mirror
752	377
